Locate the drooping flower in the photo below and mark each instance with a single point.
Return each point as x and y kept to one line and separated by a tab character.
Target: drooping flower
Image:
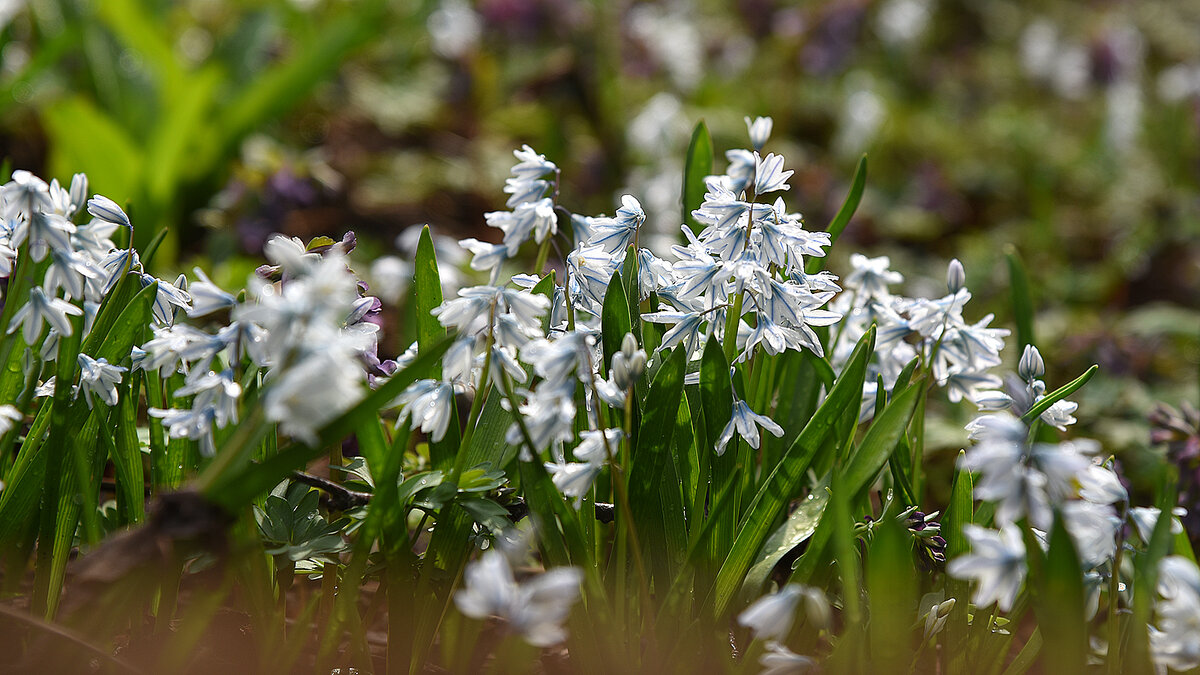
996	564
39	309
535	608
99	377
746	423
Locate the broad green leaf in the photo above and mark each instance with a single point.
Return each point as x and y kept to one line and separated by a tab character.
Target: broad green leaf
892	588
716	397
881	440
181	128
614	320
138	27
796	530
1060	604
427	293
653	452
278	89
839	222
633	293
1022	301
698	165
51	562
1058	394
126	453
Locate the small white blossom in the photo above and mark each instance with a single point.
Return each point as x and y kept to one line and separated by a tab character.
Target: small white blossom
996	564
535	608
39	309
10	417
99	377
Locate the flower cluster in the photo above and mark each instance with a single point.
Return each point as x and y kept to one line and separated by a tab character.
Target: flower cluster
959	353
56	246
309	331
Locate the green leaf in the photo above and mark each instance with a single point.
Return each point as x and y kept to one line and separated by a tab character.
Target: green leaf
698	165
614	320
891	586
427	292
279	88
716	397
653	453
1060	604
839	222
633	293
796	530
881	440
1058	394
1022	301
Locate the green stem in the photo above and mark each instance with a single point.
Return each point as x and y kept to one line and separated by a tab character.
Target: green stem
543	253
731	327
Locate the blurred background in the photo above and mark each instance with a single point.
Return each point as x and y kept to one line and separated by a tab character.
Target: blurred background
1066	132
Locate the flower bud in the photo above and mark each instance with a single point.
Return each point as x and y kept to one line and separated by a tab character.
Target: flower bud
956	276
760	131
629	363
1031	366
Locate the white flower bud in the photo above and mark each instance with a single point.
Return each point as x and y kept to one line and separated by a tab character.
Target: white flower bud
628	364
760	130
956	276
1031	366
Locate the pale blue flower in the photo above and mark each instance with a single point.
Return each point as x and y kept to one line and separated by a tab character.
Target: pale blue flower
760	130
746	422
207	297
99	377
769	175
996	564
39	309
107	210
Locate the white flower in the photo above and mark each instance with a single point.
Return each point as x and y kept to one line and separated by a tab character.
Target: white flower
25	195
207	297
166	297
70	271
746	422
106	209
779	660
760	131
535	608
1093	528
996	563
1059	415
10	417
45	231
573	479
1175	637
956	276
216	391
1031	366
430	404
308	394
99	377
871	276
769	175
53	311
771	616
289	253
